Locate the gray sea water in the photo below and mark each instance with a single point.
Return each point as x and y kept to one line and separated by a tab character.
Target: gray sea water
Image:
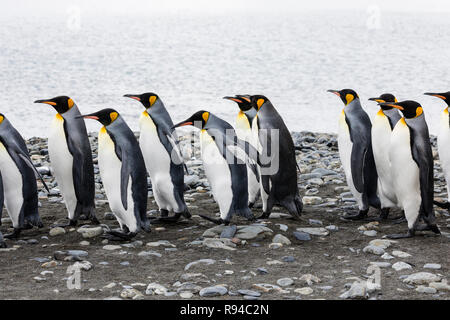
192	61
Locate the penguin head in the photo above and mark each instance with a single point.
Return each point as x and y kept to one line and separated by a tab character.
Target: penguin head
346	95
148	99
258	101
243	101
385	97
410	109
198	120
444	96
61	103
104	116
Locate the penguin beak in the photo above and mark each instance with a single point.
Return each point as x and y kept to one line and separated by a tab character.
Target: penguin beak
377	100
233	99
46	102
245	98
133	96
182	124
435	95
336	92
392	106
88	116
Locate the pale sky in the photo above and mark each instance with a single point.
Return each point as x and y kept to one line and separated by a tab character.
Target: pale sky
148	7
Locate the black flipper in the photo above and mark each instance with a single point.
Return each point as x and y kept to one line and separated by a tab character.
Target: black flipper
31	165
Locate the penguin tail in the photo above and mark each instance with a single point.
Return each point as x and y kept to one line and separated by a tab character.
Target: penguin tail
443	205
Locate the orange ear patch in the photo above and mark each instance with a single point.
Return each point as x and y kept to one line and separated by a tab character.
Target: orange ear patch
260	102
205	116
152	100
113	116
70	103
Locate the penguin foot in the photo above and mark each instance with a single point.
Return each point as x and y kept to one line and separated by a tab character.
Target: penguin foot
71	223
94	220
216	221
399	220
361	215
14	235
164	213
83	217
265	215
410	234
27	226
3	244
114	235
251	204
425	227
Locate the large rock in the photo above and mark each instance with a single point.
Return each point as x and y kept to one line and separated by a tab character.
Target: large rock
315	231
213	291
201	261
253	232
279	238
56	231
421	278
374	250
90	232
358	290
222	243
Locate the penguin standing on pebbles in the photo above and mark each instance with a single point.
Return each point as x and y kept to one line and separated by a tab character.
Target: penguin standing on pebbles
276	159
383	124
443	143
244	131
412	168
159	145
355	151
225	168
71	158
18	175
123	173
2	242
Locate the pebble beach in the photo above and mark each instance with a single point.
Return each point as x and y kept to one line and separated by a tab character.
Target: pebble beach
322	256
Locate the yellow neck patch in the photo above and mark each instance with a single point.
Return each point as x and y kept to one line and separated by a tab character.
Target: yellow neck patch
419	111
152	100
446	110
402	121
205	116
1	119
349	97
113	116
381	113
70	103
103	129
59	117
259	103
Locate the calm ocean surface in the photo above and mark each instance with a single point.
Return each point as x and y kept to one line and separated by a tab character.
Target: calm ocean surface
191	62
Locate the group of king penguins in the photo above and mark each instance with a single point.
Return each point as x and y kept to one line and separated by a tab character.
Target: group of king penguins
389	163
237	172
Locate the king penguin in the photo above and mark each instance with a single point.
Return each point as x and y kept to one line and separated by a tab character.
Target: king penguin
71	158
244	122
412	168
225	168
159	145
355	151
123	173
19	185
2	242
276	159
383	124
443	143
